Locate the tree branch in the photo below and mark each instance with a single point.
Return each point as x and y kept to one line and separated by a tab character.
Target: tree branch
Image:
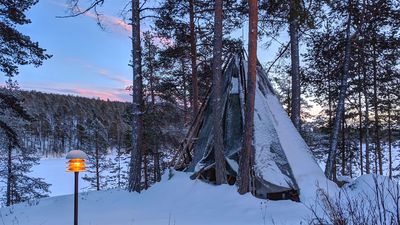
277	58
75	8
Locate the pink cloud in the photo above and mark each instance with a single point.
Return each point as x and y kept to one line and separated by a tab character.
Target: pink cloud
106	73
118	25
96	93
103	93
122	24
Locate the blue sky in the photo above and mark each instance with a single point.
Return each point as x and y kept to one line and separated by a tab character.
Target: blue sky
87	60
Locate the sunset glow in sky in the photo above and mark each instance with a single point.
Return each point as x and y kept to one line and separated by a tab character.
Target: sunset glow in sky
87	60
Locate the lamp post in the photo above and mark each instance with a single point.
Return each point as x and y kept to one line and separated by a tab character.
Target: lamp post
76	164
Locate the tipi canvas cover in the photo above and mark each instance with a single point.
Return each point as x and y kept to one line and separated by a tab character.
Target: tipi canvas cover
283	165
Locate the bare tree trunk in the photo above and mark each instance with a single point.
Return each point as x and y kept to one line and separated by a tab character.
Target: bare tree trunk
330	120
151	78
246	154
185	104
295	63
340	106
360	125
220	173
367	158
378	149
193	57
329	101
343	145
390	139
119	161
135	171
157	173
145	172
366	126
334	172
97	155
9	175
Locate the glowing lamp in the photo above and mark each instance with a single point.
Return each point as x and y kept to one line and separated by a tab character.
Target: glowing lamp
76	164
76	161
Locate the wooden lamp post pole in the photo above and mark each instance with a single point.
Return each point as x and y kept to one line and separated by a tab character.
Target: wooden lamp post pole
76	199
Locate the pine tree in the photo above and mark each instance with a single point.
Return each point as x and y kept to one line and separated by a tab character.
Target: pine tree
17	160
325	57
135	172
300	17
96	148
245	163
17	48
220	172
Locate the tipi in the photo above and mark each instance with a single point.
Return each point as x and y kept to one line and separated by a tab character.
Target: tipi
283	165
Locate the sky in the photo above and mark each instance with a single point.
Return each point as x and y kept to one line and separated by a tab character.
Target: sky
87	61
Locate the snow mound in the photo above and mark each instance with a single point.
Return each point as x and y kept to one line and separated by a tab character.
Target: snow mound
370	199
367	185
76	154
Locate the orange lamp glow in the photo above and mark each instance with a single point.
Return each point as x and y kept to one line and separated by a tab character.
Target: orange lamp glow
76	165
76	161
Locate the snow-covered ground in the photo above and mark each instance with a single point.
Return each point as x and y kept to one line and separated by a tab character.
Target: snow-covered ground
179	200
175	200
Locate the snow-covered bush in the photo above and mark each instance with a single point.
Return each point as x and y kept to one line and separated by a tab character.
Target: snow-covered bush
370	199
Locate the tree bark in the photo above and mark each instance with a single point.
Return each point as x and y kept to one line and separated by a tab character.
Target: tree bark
9	175
378	149
390	139
137	96
330	123
157	172
151	75
343	145
366	126
185	102
193	57
220	173
97	156
360	125
145	171
246	154
367	153
295	63
340	107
